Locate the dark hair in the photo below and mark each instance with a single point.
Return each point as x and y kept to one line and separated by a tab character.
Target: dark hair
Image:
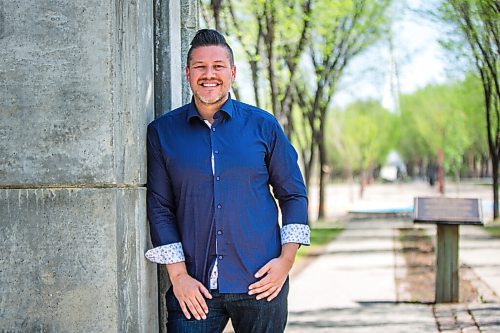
209	37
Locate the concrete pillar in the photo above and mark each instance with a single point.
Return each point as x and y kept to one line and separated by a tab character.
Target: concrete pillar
76	94
176	23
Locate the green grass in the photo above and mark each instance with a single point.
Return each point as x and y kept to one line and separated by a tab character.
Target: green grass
319	237
493	230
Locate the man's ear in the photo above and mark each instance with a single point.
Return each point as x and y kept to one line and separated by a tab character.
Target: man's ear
233	72
187	72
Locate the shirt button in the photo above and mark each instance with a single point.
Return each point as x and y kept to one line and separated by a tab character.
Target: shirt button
216	152
218	178
220	257
219	206
219	232
213	129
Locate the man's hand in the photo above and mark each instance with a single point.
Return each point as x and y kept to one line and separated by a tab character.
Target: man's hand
275	273
189	292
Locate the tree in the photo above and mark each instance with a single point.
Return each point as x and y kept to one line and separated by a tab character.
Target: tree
340	31
448	117
477	23
469	98
365	134
282	32
435	123
273	35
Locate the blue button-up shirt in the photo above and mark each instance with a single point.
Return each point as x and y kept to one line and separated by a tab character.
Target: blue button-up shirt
229	203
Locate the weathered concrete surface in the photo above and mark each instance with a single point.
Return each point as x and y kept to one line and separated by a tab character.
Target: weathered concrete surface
76	94
189	26
72	262
176	23
76	87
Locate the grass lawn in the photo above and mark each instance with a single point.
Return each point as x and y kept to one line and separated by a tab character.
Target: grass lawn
319	237
493	230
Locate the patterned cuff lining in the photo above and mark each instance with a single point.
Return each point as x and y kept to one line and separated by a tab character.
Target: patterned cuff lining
166	254
296	233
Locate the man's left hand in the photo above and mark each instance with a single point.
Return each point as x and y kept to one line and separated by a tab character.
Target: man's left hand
274	274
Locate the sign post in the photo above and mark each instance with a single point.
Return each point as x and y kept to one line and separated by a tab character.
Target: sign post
448	214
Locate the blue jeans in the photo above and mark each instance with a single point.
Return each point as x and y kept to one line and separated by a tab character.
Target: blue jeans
247	314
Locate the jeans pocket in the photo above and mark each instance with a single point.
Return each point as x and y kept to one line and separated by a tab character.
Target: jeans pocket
170	300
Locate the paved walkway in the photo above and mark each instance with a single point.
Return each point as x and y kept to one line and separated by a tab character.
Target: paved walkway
351	286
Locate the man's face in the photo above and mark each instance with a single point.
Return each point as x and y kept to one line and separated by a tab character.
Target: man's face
210	74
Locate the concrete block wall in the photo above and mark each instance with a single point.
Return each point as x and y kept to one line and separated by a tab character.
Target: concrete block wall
72	261
76	93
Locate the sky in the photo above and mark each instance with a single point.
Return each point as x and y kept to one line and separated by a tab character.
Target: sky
420	60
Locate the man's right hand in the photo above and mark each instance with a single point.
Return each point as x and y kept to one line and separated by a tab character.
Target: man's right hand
189	292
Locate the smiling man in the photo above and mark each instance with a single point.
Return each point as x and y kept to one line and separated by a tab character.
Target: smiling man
213	219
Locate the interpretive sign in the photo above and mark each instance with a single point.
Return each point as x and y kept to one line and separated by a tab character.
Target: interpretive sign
439	210
448	214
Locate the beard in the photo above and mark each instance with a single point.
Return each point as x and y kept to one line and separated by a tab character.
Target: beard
212	99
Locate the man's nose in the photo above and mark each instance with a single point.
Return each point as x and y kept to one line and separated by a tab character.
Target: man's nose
210	71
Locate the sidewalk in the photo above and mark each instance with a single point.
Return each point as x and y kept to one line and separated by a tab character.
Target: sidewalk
351	287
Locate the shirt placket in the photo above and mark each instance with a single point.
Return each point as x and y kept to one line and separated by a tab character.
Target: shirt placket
214	274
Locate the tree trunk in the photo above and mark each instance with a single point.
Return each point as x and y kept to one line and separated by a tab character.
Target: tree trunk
323	169
269	42
254	69
236	91
470	165
441	171
308	160
495	187
362	183
216	7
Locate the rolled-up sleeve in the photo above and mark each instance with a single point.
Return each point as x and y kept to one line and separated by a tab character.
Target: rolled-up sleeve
166	254
160	201
288	187
296	233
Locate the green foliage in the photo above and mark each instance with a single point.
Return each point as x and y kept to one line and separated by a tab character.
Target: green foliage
444	117
343	28
476	35
470	100
477	23
363	134
448	117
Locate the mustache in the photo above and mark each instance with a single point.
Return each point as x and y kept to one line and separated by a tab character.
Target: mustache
209	81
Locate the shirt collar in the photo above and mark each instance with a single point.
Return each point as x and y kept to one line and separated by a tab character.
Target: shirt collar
227	108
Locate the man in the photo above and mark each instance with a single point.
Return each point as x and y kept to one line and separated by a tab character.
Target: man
213	220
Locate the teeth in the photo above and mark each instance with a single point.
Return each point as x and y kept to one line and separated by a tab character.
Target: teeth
209	84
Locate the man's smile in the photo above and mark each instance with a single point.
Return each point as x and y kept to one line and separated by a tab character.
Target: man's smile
209	85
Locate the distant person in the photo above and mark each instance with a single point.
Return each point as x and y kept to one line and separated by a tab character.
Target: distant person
213	219
432	171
